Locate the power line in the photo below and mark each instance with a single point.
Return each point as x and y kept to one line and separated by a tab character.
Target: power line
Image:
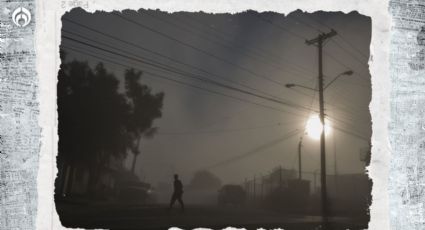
258	50
255	150
342	64
346	114
351	82
349	53
345	96
215	92
335	59
333	40
288	16
327	53
297	19
158	54
303	38
347	131
342	95
150	61
343	38
275	125
188	84
352	134
340	109
353	46
245	51
281	27
201	88
263	98
84	26
199	50
190	76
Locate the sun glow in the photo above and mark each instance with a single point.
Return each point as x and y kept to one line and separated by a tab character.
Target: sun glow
314	127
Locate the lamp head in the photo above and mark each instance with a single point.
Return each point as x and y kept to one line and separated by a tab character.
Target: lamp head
348	72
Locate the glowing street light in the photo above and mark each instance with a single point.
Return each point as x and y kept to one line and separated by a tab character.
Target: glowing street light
314	127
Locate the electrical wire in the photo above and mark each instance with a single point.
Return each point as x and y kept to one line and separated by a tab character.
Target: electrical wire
223	60
290	104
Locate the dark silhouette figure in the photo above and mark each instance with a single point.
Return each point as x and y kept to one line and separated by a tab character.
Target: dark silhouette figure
178	192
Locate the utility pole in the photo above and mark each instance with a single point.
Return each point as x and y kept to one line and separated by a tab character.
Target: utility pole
319	41
254	188
335	160
270	183
280	176
299	158
262	187
335	167
246	186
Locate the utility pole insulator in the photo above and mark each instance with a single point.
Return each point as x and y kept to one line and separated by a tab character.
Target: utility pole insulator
322	36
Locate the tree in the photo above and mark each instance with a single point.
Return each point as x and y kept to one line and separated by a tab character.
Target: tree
96	121
145	107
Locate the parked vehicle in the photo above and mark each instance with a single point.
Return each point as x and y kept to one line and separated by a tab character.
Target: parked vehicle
231	194
136	192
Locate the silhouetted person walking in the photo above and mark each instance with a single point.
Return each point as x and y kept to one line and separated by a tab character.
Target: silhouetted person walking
178	192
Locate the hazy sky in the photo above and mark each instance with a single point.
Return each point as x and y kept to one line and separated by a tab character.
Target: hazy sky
200	128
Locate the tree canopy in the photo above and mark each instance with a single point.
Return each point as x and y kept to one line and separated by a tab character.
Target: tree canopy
97	121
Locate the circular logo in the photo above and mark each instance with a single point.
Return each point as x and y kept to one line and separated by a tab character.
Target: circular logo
21	17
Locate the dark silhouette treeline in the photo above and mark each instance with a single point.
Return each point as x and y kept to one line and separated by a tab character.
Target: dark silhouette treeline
99	126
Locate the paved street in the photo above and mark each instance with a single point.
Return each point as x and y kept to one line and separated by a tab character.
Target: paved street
157	217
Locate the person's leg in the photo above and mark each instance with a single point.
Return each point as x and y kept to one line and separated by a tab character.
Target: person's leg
181	202
173	200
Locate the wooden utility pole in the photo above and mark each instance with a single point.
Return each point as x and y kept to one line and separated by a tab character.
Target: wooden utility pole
254	187
318	41
246	186
280	176
262	187
299	158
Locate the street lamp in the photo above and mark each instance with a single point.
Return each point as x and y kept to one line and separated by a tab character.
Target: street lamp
296	85
300	144
346	73
322	133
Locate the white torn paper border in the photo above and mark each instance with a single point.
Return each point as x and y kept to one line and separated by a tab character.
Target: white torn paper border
48	36
19	129
406	186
